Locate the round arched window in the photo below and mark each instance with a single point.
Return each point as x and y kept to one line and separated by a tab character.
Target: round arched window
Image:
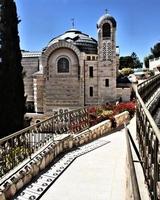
106	30
63	65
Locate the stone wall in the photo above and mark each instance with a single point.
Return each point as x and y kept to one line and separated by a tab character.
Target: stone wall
30	66
91	82
62	89
124	93
38	88
121	118
154	64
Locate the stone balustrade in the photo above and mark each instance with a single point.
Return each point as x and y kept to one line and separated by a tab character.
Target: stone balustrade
120	118
61	145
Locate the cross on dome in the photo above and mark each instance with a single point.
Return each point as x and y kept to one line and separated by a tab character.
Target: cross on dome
106	11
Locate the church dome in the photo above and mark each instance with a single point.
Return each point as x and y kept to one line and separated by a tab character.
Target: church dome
84	42
107	17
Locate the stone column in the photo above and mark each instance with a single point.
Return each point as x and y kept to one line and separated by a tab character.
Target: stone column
38	89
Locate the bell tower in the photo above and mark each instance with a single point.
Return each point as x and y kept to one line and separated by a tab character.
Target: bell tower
107	69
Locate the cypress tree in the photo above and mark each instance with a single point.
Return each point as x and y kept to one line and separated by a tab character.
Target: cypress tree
12	101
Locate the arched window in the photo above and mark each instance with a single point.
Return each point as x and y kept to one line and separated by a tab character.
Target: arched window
63	65
106	30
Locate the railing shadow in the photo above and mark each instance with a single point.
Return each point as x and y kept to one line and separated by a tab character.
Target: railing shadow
19	146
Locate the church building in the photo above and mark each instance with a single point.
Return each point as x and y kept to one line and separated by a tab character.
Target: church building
74	70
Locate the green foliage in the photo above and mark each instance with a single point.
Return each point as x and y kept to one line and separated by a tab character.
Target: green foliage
12	101
126	71
136	61
125	62
155	53
131	61
146	60
14	157
156	50
151	73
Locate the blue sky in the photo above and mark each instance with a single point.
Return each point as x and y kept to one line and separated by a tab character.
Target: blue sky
138	27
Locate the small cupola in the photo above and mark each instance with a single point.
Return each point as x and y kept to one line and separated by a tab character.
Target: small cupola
106	18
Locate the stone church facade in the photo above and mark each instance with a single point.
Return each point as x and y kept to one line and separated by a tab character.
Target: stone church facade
74	70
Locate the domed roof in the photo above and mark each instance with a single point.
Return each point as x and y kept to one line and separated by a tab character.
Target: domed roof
107	17
84	42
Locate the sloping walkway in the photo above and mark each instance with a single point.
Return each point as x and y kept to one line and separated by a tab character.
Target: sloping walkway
95	171
96	175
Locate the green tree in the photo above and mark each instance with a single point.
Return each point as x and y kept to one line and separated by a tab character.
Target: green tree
125	62
156	50
12	100
131	61
155	53
136	61
146	60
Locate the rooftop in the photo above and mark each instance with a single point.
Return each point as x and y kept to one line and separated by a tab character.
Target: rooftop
84	42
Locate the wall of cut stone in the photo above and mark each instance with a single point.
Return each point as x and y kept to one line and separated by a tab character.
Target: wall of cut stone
30	66
107	65
62	89
91	82
123	93
38	87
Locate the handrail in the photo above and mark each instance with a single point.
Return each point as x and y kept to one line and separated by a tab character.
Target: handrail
148	134
149	116
22	144
35	125
132	175
148	87
148	80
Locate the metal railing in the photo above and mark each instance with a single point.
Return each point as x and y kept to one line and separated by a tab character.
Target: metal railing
19	146
147	88
132	173
148	135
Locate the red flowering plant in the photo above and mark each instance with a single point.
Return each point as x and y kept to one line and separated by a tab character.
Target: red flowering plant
108	111
92	112
126	106
98	114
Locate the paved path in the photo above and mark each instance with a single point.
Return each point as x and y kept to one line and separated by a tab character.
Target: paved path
95	171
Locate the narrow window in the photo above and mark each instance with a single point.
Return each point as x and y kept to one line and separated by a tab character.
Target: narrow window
106	30
107	82
0	37
88	57
63	65
91	91
91	71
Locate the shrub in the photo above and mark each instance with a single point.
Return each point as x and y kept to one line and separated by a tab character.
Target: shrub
108	111
126	71
127	106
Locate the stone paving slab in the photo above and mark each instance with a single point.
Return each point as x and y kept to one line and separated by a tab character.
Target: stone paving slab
97	175
36	189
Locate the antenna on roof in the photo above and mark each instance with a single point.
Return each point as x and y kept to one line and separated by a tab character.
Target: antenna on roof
73	23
